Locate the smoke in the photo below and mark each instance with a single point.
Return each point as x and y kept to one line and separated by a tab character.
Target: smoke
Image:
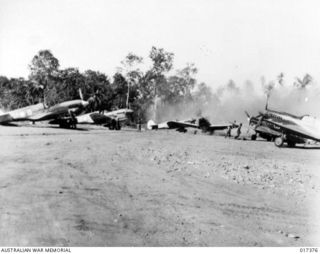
229	102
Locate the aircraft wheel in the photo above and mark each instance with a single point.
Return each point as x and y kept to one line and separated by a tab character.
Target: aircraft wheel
204	129
253	137
278	141
113	125
291	144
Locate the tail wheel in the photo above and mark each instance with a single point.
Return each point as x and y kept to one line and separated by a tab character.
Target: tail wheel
253	137
278	141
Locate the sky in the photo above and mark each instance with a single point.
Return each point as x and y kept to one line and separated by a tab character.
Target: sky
226	39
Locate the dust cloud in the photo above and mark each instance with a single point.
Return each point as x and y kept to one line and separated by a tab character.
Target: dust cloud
228	103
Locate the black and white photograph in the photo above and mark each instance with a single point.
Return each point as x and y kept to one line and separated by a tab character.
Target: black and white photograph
157	123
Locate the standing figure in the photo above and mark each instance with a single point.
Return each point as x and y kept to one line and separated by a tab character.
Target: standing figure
228	134
139	124
238	131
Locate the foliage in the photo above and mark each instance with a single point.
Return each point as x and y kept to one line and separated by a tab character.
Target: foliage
130	85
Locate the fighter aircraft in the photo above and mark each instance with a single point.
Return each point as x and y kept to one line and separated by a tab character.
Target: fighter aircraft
112	119
178	125
284	127
61	113
202	123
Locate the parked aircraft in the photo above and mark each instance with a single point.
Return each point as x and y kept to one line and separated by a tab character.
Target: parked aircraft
111	119
201	123
62	113
178	125
284	127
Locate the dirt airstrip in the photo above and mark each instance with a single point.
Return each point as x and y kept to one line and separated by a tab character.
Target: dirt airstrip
95	187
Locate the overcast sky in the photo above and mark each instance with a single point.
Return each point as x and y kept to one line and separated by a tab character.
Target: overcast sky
226	39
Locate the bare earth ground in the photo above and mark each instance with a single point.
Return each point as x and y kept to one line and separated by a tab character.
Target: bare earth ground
95	187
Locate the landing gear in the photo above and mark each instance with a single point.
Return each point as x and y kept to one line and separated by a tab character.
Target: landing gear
182	130
115	125
204	129
253	137
291	143
118	126
279	141
67	125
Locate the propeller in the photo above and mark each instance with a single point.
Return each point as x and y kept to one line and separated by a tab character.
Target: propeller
80	94
247	115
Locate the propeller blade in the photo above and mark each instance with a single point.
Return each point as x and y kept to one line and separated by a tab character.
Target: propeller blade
247	114
80	94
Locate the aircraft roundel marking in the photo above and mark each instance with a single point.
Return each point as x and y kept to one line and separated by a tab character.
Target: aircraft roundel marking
23	114
29	112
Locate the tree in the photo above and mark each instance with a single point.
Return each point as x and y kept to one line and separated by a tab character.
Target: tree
120	87
203	94
70	80
162	63
131	72
44	69
301	84
98	85
162	60
280	78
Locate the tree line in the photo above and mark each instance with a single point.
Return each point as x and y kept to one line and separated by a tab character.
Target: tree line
159	88
128	87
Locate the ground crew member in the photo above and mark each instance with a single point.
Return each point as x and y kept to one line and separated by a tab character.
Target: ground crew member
228	134
139	124
238	131
73	121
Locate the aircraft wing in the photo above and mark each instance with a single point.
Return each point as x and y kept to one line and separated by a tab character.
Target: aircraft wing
179	124
93	118
43	116
267	130
295	129
216	127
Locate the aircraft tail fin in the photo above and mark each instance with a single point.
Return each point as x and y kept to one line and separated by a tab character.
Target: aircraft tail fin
150	124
